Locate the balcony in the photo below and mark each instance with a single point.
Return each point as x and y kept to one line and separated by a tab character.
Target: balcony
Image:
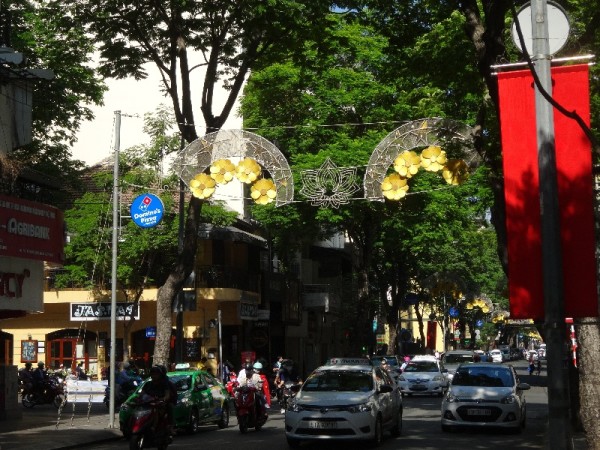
214	276
319	297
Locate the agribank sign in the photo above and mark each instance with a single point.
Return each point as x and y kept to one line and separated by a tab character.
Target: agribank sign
31	230
147	210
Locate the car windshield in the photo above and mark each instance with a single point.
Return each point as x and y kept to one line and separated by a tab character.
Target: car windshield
390	361
421	366
337	380
457	359
483	376
181	382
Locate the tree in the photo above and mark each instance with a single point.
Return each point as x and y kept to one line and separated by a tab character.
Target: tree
229	37
49	37
144	254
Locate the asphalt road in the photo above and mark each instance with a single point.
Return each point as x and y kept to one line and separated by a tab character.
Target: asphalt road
421	429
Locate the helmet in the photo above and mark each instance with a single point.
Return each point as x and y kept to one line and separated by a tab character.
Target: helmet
257	366
126	365
248	367
40	364
28	365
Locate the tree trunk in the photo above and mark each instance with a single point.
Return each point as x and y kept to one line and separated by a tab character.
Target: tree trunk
168	291
588	335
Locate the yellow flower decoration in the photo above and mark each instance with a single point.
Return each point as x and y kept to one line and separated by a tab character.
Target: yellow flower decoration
222	171
263	191
202	186
455	171
407	163
433	158
394	187
247	171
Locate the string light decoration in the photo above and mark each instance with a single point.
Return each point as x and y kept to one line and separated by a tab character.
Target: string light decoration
435	135
330	185
200	154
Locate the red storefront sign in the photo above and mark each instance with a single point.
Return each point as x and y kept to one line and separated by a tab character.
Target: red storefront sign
31	230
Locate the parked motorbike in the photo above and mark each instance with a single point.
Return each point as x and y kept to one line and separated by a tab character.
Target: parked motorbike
52	391
149	425
249	413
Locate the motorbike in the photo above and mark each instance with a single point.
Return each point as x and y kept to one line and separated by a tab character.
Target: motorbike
52	391
286	392
248	411
149	425
122	392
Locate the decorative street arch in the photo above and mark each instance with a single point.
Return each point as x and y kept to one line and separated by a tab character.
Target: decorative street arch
455	137
196	157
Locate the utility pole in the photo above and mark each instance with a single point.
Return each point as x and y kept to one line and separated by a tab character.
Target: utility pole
559	428
113	301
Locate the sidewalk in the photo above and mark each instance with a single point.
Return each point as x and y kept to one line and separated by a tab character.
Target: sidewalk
73	430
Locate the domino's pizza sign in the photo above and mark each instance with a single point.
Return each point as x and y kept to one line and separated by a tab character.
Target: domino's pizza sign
147	210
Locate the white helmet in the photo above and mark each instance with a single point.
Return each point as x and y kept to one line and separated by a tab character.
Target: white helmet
257	366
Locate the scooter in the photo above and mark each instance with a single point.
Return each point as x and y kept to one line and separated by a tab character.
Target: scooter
249	413
149	425
122	392
51	392
288	391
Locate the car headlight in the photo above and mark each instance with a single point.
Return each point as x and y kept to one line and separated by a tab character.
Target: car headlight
363	407
508	400
438	378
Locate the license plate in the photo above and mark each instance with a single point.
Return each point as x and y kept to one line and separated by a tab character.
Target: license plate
322	425
479	412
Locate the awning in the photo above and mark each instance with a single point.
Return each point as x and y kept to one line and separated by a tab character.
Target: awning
230	233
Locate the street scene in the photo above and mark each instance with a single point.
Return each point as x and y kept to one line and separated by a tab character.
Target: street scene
299	223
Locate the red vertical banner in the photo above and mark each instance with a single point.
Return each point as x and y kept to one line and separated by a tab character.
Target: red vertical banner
431	334
575	192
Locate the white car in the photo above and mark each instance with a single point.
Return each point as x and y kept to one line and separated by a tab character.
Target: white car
423	377
346	399
497	356
484	395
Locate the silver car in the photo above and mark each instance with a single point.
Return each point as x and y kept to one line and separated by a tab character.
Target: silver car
423	377
346	399
484	395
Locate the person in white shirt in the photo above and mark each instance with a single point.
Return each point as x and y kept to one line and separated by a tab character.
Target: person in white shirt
249	376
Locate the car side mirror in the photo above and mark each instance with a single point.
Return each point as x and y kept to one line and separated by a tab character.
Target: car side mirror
444	370
523	386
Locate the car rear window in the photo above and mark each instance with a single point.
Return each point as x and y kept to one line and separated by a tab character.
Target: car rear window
483	376
337	380
421	366
454	359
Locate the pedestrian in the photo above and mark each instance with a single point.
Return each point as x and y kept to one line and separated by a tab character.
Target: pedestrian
531	364
81	375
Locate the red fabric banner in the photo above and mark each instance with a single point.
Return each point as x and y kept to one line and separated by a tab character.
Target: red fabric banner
575	192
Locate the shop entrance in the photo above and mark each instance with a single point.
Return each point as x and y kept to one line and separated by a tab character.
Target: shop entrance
68	347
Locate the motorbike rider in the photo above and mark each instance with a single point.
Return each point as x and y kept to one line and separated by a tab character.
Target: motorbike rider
266	390
251	377
39	379
286	374
26	377
125	380
162	389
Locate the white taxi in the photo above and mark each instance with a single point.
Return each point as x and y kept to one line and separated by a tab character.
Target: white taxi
346	399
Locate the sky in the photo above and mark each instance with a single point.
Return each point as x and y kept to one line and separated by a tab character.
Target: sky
96	139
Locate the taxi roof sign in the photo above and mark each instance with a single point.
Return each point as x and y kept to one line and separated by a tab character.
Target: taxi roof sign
182	366
349	362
